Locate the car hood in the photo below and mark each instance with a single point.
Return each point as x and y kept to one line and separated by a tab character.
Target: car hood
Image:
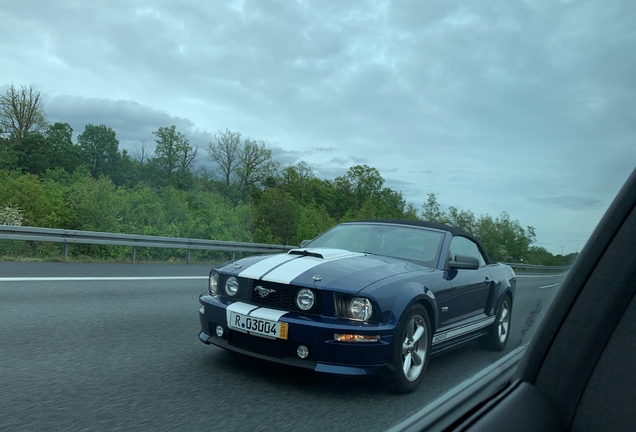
329	269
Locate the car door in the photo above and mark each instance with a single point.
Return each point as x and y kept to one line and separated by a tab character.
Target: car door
470	288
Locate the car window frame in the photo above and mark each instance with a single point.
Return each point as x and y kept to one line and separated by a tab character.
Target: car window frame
482	261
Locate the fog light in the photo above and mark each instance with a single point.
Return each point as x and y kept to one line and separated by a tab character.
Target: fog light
355	338
302	351
201	309
219	331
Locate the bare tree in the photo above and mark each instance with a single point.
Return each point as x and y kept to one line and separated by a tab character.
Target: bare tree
21	112
188	155
225	150
141	154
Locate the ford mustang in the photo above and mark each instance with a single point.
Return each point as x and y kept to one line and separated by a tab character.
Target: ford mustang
366	297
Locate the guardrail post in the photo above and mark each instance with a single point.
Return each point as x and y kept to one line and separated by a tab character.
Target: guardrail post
188	257
134	253
65	250
232	255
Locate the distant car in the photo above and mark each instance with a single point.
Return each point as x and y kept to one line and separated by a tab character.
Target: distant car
366	297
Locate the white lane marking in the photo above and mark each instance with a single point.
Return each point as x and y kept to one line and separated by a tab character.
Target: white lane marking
291	270
96	278
521	276
549	286
257	270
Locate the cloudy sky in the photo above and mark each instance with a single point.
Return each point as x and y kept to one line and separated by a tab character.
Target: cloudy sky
518	106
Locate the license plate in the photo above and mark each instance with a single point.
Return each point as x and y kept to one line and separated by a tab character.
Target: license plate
258	326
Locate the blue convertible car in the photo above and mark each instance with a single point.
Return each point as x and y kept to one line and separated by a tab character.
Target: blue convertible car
364	297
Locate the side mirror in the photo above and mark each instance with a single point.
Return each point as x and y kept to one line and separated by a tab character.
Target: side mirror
464	262
304	243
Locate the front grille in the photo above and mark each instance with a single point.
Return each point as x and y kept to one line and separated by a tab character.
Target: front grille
283	297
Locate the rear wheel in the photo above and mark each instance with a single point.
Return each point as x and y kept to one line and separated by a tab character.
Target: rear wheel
411	352
499	331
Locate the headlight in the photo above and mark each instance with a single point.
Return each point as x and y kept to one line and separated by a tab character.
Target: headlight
361	308
305	299
214	282
231	286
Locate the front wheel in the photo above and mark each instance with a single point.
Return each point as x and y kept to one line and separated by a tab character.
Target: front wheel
499	331
412	348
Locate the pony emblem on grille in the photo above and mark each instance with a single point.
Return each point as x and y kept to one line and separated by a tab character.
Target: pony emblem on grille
263	292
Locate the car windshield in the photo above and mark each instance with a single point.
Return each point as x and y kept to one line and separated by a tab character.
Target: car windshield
421	246
159	160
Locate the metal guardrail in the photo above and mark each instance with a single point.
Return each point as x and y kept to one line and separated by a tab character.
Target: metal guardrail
537	268
113	239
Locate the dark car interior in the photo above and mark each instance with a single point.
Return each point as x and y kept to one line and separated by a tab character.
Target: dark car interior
579	371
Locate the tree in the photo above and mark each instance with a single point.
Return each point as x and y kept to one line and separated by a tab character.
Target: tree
141	155
11	214
276	217
39	206
504	238
253	160
390	204
95	204
59	148
312	220
361	182
293	179
224	150
32	154
296	174
8	156
432	211
100	150
21	112
174	155
463	219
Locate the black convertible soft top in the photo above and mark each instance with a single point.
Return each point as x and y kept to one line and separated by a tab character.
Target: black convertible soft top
438	226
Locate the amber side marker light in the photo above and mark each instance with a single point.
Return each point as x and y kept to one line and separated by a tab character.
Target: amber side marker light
355	338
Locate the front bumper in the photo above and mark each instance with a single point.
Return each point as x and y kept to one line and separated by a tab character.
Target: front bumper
315	332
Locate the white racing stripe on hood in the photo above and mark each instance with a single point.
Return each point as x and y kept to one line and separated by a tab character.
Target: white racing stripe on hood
238	307
268	314
260	268
291	270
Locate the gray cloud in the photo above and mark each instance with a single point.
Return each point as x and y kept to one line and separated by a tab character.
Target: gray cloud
132	121
570	202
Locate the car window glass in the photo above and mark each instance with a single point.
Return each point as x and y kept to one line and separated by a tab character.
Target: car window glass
464	246
414	244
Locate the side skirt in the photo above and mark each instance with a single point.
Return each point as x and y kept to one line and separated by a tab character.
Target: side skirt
450	345
460	333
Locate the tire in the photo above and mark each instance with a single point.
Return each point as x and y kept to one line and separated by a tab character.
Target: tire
410	355
499	332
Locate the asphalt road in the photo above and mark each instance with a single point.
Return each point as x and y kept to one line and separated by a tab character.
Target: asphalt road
95	354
